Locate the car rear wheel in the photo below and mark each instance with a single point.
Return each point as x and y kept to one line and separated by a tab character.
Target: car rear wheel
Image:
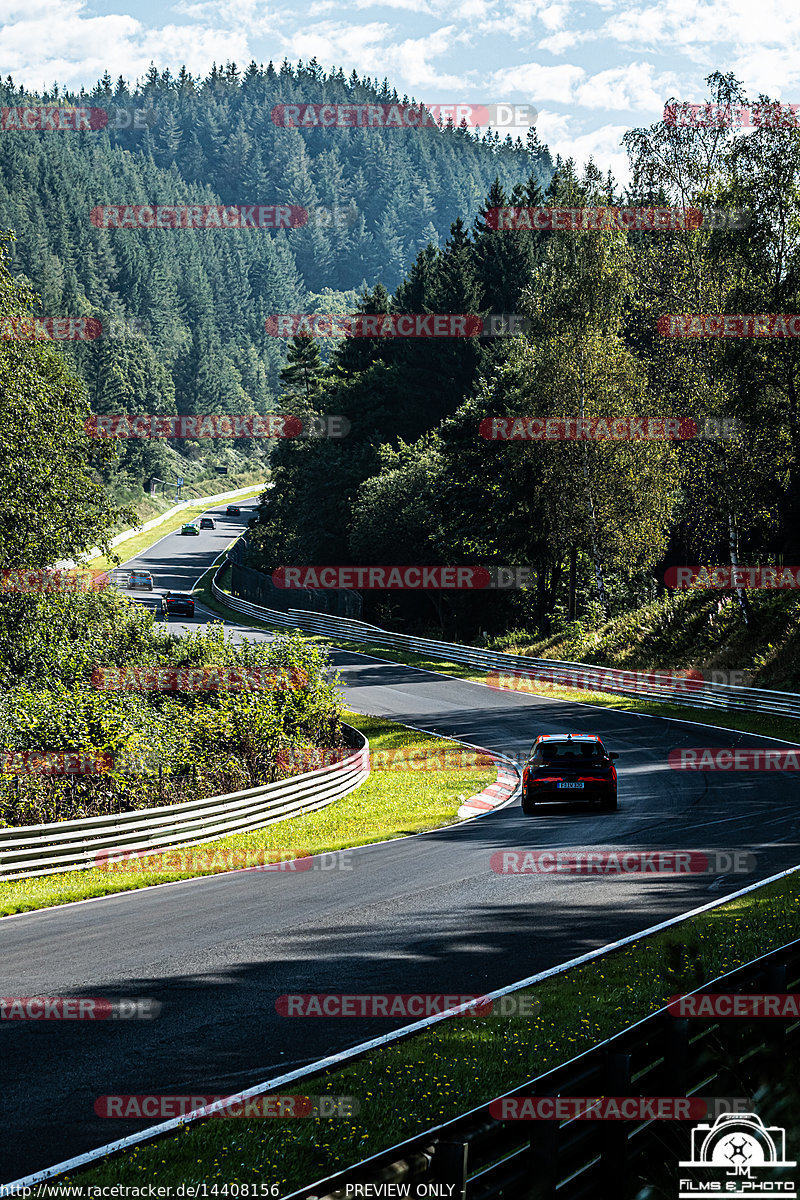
611	804
528	804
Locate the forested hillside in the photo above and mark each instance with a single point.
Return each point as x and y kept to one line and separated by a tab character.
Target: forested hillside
400	222
598	521
375	197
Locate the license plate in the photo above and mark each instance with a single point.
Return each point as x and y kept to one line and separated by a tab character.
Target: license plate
569	785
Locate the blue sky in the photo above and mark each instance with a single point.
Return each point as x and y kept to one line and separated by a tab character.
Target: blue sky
591	69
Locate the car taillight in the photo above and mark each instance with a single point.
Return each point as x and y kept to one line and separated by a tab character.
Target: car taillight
593	779
525	772
547	779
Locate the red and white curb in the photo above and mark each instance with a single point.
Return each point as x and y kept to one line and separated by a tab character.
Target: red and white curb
494	795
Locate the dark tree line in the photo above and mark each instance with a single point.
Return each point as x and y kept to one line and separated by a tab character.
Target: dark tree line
599	522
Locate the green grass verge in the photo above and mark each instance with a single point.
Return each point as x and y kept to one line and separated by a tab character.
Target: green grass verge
389	804
143	541
407	1087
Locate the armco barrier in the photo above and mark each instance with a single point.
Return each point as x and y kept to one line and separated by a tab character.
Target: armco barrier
32	850
480	1157
473	1155
624	683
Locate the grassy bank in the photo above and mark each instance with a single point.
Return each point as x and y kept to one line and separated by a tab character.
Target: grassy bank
405	1088
389	804
701	629
149	505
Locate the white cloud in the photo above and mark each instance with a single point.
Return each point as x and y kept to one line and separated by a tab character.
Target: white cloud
541	83
553	16
631	88
515	18
417	6
368	49
685	24
625	56
774	70
552	127
557	43
73	48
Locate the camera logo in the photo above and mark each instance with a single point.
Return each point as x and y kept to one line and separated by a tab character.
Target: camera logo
737	1143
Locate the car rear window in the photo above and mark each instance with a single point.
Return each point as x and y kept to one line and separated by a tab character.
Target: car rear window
571	752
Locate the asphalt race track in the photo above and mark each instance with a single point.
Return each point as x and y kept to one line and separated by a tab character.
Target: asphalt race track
421	914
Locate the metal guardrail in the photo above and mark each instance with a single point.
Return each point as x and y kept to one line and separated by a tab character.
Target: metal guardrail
345	1058
687	692
479	1157
30	850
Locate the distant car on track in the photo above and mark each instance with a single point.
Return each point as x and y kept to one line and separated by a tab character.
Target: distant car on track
140	579
173	603
208	523
569	766
233	510
190	529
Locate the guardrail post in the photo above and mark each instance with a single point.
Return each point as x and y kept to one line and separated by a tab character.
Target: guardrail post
614	1155
676	1056
776	977
774	1032
449	1166
544	1160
